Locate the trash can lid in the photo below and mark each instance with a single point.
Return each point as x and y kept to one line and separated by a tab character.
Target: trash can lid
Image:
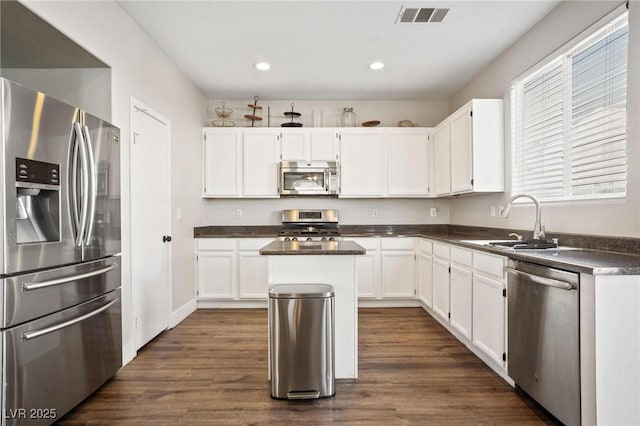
300	291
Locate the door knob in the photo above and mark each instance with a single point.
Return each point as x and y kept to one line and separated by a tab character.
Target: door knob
166	238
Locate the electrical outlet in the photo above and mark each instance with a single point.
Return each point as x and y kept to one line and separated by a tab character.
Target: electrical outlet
238	213
493	211
374	212
434	212
178	213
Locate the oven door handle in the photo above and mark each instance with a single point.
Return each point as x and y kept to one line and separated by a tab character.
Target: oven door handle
28	335
541	280
51	283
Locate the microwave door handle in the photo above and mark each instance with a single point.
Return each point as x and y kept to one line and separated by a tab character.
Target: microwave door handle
91	186
327	172
84	187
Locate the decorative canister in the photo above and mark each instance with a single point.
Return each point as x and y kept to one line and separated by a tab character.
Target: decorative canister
348	117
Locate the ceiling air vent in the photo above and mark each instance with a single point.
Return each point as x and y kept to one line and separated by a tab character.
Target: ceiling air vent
420	14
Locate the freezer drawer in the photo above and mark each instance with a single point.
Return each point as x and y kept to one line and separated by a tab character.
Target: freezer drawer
52	364
30	296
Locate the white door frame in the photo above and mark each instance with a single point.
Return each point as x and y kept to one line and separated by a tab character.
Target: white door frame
138	106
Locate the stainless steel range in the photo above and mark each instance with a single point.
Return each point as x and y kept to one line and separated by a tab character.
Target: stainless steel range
309	225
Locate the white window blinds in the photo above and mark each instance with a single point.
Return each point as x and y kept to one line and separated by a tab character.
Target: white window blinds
569	121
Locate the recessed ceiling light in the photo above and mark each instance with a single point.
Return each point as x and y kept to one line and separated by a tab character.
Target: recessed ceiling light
262	66
376	65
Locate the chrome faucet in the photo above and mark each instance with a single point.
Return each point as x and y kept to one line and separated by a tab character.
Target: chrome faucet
538	228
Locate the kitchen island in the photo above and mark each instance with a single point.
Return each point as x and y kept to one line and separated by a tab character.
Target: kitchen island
331	262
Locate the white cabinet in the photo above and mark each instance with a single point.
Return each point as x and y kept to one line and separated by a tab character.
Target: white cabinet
324	145
441	280
294	145
489	306
252	269
231	269
261	155
374	163
407	164
424	271
240	163
368	267
216	268
460	290
221	154
398	268
362	167
441	159
475	134
309	144
452	286
387	271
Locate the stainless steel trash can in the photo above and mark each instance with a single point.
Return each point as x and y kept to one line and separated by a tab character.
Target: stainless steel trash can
301	341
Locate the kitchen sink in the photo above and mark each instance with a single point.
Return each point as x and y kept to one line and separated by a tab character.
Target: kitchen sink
519	245
525	245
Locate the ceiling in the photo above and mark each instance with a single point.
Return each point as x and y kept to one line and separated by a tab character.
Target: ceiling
322	49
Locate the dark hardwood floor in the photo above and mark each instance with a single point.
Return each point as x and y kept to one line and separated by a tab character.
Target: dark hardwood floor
212	369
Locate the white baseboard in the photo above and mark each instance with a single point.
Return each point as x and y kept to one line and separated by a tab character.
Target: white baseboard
232	304
182	312
128	353
389	303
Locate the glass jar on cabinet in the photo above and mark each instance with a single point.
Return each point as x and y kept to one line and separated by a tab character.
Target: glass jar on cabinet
348	117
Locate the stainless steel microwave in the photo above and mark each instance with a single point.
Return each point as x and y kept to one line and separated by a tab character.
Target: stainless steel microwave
309	178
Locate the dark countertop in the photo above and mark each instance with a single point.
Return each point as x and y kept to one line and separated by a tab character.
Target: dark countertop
597	255
338	248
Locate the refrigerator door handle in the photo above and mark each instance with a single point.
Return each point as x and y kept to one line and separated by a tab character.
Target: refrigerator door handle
91	185
72	179
84	187
26	336
51	283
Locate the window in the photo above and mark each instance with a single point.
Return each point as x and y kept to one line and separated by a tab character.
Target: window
569	121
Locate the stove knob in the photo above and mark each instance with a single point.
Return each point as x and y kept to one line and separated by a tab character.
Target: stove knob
332	238
309	239
287	239
323	239
294	239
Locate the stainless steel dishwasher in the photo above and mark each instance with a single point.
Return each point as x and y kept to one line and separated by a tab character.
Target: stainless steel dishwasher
544	337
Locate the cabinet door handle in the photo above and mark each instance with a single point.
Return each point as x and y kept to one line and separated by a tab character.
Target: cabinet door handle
166	238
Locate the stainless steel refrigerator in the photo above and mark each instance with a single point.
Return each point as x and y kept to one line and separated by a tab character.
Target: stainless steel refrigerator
60	255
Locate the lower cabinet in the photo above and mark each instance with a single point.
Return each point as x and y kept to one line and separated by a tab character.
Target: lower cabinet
469	299
231	269
398	268
387	271
424	271
460	282
489	307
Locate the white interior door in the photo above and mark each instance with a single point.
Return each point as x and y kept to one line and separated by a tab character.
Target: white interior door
150	222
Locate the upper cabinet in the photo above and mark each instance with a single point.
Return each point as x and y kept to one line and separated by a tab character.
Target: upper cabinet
221	153
469	149
261	156
374	162
362	166
408	162
309	145
240	163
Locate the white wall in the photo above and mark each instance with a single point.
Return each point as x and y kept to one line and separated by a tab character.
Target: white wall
140	69
619	217
423	113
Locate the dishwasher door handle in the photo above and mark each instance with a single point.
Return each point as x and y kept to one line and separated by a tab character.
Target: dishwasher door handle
542	280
